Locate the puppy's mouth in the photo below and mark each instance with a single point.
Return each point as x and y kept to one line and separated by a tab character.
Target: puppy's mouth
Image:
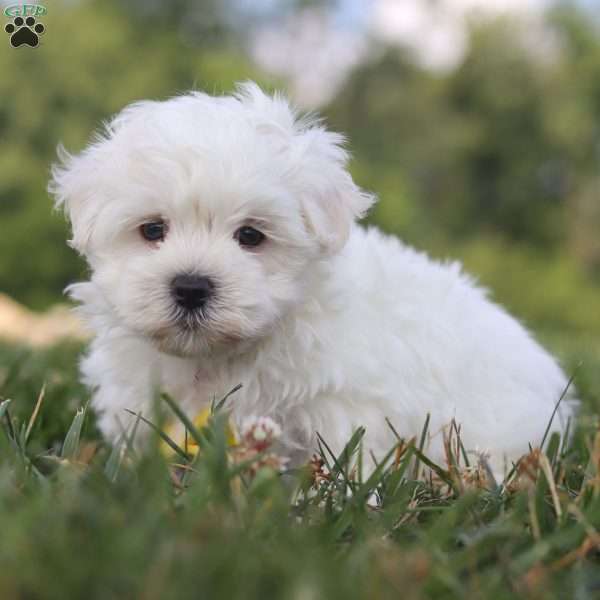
190	320
198	334
192	332
184	335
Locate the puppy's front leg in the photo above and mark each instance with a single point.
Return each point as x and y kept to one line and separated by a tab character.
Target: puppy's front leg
121	370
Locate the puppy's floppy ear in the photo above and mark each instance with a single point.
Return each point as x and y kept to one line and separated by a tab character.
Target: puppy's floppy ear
331	201
69	184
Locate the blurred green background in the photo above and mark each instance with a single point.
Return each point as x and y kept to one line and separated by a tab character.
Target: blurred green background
492	158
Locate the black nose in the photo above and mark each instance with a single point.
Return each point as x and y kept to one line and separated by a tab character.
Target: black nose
191	291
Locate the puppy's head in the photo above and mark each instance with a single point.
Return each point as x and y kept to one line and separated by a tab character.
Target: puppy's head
201	216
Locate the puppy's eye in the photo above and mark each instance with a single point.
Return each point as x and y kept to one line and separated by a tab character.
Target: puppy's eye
154	231
248	236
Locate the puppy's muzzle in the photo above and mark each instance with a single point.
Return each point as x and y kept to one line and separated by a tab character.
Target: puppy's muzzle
191	291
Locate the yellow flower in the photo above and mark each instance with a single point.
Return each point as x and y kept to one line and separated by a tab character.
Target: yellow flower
176	432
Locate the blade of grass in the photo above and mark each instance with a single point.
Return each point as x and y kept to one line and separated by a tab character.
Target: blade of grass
460	443
421	446
71	443
199	438
490	473
113	464
393	430
439	471
562	397
366	488
4	406
397	475
552	448
566	437
547	470
214	408
323	455
173	445
336	464
130	439
35	412
350	448
12	433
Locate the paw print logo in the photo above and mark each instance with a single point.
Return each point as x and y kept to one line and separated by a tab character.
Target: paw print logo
24	32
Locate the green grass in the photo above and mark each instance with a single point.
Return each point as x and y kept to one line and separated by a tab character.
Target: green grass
80	519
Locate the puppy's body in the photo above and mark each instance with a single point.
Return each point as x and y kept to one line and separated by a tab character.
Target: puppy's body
327	326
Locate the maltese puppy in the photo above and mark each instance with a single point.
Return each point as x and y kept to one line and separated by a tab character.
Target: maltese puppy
221	236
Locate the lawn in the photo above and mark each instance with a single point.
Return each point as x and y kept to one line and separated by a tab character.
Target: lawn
81	519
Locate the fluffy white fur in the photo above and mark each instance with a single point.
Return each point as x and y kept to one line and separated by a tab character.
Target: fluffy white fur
327	325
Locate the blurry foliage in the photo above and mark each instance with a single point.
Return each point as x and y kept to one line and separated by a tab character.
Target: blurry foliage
505	143
24	372
496	162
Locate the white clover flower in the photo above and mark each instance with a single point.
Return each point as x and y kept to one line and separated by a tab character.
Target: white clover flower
260	432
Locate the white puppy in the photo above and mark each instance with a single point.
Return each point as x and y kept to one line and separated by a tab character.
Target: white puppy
223	246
